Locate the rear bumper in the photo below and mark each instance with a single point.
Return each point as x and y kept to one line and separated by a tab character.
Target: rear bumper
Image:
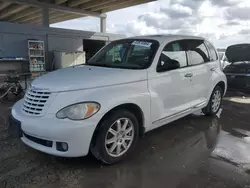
49	129
238	82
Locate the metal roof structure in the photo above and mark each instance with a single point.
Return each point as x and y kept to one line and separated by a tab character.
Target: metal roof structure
33	11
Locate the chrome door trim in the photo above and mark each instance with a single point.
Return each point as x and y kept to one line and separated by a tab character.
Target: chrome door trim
200	104
181	112
173	115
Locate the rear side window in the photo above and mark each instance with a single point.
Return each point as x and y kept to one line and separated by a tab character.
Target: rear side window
213	54
173	53
197	51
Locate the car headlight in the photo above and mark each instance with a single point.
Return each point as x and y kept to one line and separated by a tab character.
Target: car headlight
78	111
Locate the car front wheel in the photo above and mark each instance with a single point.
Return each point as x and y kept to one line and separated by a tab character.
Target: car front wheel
116	137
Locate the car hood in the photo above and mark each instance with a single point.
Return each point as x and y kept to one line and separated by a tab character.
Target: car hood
86	77
238	52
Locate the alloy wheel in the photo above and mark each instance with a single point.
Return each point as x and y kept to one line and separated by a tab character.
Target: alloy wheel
216	101
119	137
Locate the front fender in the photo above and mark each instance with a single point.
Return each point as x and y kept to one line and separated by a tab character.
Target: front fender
108	97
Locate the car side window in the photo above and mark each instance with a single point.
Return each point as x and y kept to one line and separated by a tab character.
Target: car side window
173	56
213	54
198	52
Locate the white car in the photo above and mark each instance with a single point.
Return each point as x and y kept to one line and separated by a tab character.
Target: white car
129	87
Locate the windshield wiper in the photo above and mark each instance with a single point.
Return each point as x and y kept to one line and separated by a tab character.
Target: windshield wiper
113	66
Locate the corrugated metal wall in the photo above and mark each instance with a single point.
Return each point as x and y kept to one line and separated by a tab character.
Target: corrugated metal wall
14	37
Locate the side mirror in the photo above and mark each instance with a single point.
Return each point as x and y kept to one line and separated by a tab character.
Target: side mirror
169	64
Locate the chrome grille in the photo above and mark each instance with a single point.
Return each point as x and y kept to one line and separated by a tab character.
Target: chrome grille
35	101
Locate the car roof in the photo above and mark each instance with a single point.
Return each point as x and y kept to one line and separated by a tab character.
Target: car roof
168	37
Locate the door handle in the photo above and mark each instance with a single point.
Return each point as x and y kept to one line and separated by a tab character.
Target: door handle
188	75
212	69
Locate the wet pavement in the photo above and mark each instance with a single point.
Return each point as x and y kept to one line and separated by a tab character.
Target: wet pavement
196	151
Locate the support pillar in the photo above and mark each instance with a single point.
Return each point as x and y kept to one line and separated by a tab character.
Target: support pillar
103	23
45	12
45	23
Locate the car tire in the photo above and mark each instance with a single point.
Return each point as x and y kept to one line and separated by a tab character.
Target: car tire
113	136
214	103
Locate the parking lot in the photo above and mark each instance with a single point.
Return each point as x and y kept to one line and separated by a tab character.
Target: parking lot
196	151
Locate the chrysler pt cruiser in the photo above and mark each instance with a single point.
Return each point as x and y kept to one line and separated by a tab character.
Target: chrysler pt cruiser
129	87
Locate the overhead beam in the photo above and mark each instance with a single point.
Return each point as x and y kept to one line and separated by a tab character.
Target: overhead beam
52	14
12	9
4	5
24	13
109	4
32	16
63	18
32	19
58	2
56	15
56	7
28	11
92	4
74	3
38	21
124	5
37	15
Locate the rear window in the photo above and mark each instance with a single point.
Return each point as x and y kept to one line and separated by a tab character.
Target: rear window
198	52
175	51
213	54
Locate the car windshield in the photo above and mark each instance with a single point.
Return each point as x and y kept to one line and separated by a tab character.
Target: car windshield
127	54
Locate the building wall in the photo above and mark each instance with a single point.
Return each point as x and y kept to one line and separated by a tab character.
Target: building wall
15	44
14	37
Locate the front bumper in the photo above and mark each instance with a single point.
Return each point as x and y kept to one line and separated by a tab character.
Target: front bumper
49	129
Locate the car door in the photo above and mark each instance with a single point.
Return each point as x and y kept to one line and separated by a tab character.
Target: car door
170	84
197	58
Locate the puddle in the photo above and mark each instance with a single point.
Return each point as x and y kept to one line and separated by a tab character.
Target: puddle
234	147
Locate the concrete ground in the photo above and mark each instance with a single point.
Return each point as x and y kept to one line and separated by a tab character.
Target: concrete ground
193	152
